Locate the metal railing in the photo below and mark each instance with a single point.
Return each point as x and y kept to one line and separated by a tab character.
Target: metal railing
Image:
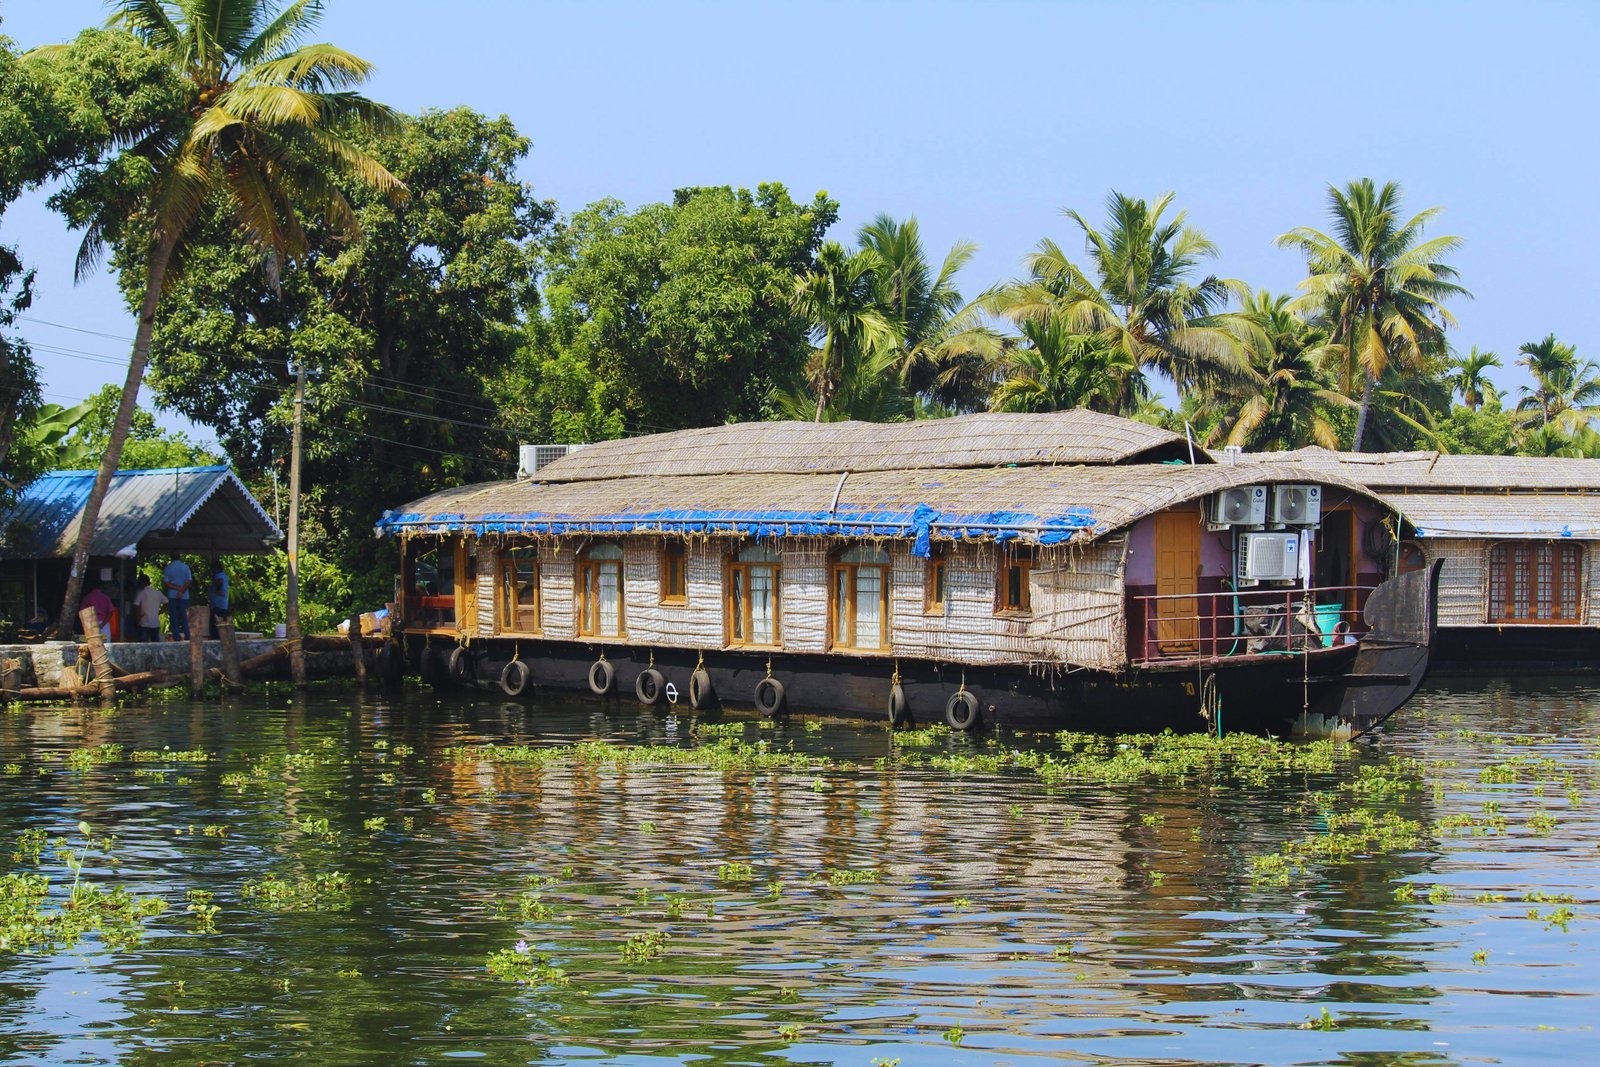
1191	626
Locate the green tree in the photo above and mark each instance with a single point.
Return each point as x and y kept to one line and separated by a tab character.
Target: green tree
266	127
407	336
1486	431
1380	286
1054	369
838	298
941	345
148	445
673	315
1468	375
1140	293
1565	391
1290	403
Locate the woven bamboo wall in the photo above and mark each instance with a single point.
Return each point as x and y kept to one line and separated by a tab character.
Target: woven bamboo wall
1464	581
1076	595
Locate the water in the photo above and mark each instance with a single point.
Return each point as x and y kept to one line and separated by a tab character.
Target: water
1011	921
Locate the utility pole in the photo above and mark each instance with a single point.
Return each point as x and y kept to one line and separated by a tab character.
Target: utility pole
297	655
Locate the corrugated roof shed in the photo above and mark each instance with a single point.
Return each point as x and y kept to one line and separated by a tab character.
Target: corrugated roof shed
981	440
179	509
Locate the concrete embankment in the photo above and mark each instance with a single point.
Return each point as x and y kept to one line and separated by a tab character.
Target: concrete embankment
49	664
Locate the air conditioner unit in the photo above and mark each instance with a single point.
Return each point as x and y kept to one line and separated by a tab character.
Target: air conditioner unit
533	458
1296	505
1244	505
1268	557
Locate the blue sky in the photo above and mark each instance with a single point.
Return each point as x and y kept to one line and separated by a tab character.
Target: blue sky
984	120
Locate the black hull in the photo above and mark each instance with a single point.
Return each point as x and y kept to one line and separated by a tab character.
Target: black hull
1516	649
1267	693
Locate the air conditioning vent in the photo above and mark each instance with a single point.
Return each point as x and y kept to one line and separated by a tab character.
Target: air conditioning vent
1296	505
1268	557
1244	505
531	459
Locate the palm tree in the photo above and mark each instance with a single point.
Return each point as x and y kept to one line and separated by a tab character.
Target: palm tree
1555	368
1056	369
1567	396
1468	376
838	299
939	341
1380	286
1139	294
1289	406
269	127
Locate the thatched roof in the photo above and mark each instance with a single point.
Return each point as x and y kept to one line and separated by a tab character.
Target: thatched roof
1045	505
983	440
1438	471
1516	516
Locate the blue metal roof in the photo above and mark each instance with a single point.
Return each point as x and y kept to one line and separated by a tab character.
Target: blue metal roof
208	507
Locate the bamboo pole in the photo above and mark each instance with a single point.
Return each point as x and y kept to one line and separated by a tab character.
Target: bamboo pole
297	657
199	623
58	692
99	658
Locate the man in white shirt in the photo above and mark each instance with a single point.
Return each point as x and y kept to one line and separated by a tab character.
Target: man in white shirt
147	602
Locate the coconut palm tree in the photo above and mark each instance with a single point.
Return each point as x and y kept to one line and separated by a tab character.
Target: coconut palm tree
270	126
838	298
939	340
1559	379
1468	375
1379	284
1289	406
1055	369
1139	293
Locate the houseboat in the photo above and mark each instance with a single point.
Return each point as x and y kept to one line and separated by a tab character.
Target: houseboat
1068	570
1517	539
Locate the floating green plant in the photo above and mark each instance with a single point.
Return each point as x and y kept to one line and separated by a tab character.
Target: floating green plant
645	946
327	891
844	876
522	965
736	872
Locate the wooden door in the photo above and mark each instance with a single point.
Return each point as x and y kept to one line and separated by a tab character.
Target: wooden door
466	588
1177	538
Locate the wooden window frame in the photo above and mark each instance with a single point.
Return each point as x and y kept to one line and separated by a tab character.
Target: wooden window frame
1009	561
836	641
664	557
734	569
584	569
506	611
1557	564
936	581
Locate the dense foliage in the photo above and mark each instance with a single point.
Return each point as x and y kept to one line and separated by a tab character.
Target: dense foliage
444	313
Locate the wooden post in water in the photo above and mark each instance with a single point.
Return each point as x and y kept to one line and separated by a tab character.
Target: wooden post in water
199	624
358	649
297	657
231	672
104	677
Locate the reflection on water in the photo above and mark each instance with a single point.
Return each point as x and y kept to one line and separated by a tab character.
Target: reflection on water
888	910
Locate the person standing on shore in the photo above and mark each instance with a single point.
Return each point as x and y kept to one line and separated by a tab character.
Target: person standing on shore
219	594
177	578
147	602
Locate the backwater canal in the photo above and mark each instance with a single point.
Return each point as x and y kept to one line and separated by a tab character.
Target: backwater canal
416	877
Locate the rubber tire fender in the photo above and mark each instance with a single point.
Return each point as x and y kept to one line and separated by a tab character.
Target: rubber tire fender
961	713
700	692
602	677
769	696
461	668
515	678
391	664
899	710
428	666
648	687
